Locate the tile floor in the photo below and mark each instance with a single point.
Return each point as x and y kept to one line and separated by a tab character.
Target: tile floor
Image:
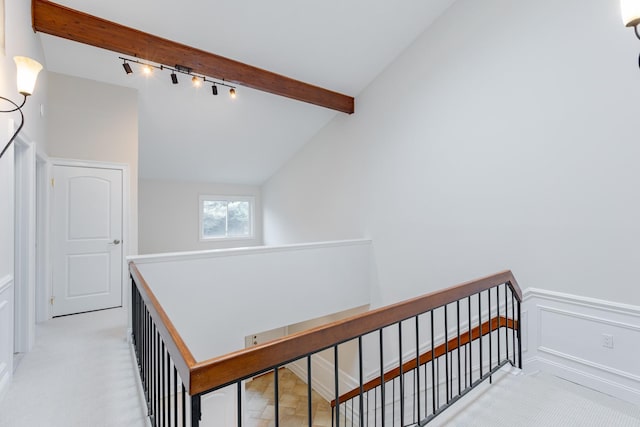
293	409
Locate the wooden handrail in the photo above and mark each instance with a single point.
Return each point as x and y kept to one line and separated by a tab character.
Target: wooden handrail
229	368
452	344
200	377
180	353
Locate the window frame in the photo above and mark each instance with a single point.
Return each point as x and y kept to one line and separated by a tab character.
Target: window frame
223	198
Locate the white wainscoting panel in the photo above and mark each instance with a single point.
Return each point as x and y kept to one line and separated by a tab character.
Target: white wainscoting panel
6	332
594	343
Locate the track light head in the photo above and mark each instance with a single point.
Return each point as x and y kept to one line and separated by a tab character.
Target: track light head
174	78
127	68
147	70
196	81
214	89
232	93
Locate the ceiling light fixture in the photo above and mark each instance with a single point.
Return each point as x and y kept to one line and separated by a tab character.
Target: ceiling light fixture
127	67
27	74
197	79
630	10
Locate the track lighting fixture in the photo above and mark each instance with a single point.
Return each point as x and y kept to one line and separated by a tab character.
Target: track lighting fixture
197	79
27	74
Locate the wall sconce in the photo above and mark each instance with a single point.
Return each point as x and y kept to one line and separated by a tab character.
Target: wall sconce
27	74
630	10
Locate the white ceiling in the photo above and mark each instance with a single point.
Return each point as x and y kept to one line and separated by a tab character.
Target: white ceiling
187	134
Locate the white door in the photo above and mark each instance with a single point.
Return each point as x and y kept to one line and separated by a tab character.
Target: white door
86	239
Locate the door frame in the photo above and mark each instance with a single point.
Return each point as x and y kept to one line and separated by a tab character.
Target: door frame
24	244
43	262
126	213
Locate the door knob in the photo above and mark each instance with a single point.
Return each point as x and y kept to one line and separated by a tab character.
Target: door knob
115	242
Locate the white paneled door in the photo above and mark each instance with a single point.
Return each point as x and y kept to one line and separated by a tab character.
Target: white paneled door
87	239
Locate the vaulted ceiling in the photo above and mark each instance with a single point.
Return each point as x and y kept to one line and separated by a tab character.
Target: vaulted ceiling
188	134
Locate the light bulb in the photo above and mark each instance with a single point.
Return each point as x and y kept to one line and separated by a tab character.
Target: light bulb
27	74
196	81
630	10
146	70
232	93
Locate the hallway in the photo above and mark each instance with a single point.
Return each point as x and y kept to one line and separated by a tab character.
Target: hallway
79	373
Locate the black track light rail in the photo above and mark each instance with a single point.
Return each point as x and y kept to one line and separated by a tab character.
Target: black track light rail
177	69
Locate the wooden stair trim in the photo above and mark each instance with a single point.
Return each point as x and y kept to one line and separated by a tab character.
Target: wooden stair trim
427	357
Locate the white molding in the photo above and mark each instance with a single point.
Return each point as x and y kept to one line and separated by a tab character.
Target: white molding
611	306
597	319
580	357
213	253
6	282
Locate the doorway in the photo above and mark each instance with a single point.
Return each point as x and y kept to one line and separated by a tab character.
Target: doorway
87	229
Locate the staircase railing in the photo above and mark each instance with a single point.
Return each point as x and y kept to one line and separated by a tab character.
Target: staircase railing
428	352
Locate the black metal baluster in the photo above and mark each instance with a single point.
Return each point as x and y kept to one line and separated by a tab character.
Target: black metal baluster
513	324
168	401
147	334
401	374
309	392
276	398
459	371
506	322
175	395
417	374
345	415
196	415
361	373
519	335
154	379
433	366
382	382
490	337
184	406
470	343
336	378
163	403
446	350
239	404
481	336
438	380
498	316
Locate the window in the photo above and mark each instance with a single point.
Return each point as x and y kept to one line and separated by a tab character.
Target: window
226	217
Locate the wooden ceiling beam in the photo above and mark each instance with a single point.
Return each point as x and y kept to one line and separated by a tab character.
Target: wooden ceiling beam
61	21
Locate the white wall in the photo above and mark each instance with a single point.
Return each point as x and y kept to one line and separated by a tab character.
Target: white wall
216	298
95	121
19	41
169	215
504	137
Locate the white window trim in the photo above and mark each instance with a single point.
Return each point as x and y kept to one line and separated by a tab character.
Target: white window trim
250	199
